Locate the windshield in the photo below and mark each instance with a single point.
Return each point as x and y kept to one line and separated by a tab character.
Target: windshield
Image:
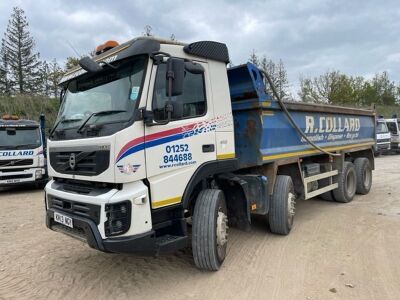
116	90
19	138
381	127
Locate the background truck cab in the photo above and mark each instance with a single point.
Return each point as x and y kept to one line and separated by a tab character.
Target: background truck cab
382	137
394	128
22	151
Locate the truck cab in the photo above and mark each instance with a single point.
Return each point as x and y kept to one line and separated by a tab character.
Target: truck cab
393	125
383	137
22	152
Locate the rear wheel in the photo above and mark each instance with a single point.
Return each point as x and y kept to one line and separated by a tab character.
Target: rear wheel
364	175
328	196
281	209
347	183
210	230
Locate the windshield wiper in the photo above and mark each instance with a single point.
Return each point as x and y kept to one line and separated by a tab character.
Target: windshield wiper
99	113
62	121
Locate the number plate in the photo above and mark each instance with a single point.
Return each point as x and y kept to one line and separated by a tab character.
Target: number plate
13	180
67	221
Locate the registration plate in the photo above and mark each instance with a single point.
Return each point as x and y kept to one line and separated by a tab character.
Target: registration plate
13	180
67	221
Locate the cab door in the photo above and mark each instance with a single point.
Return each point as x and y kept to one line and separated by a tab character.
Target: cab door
174	151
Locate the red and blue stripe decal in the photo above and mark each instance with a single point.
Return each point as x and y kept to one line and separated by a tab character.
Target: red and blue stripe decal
158	138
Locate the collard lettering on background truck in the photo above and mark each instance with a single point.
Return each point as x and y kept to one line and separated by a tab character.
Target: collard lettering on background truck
22	152
158	145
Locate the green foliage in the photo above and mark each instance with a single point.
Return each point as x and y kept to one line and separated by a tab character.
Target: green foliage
71	62
337	88
30	107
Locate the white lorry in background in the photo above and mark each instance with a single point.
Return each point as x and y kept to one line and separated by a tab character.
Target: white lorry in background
383	137
393	126
22	151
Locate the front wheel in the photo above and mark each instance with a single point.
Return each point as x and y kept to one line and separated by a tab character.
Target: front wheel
210	230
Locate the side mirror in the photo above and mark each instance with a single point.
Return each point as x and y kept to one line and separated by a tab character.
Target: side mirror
89	65
175	73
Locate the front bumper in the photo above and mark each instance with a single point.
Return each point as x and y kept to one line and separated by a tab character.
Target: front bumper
86	230
11	178
382	147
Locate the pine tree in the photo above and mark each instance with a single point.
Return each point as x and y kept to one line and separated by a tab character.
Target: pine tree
282	81
5	80
254	58
19	47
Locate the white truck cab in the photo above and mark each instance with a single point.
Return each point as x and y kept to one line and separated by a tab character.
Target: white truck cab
393	125
383	137
22	152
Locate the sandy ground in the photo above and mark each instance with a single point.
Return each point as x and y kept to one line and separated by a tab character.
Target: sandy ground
335	251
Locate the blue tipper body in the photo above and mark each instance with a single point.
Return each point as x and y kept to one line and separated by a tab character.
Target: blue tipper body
263	132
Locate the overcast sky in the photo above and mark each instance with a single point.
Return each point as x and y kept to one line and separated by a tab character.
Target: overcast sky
356	37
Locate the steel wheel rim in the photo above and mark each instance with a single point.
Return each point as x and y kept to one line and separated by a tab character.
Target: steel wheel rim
221	233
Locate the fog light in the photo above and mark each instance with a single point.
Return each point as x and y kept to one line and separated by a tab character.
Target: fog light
38	174
118	218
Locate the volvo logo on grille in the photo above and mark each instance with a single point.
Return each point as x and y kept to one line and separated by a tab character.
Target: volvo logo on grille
72	161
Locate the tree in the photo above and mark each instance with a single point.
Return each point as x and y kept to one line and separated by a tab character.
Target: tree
331	87
148	30
5	80
254	58
276	72
22	60
55	75
71	62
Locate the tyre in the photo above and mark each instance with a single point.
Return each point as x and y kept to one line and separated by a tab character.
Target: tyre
209	230
364	175
328	196
281	209
347	183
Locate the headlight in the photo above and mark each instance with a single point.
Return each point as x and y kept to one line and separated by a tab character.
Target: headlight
118	218
38	174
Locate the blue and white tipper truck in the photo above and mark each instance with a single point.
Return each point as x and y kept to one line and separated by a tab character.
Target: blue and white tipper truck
158	146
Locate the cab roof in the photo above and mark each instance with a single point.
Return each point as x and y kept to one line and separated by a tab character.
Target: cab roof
147	45
18	123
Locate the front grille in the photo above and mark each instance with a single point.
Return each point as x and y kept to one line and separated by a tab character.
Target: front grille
84	187
90	211
20	176
384	141
13	170
16	162
86	163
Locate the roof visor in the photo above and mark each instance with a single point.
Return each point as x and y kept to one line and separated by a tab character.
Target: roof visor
134	47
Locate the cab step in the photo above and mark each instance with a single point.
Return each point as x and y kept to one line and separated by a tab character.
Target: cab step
170	243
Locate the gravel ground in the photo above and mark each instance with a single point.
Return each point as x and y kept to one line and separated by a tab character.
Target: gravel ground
335	251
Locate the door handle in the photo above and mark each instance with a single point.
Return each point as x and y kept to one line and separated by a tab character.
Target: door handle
208	148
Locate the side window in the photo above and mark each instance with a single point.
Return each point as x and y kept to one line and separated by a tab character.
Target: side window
192	102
